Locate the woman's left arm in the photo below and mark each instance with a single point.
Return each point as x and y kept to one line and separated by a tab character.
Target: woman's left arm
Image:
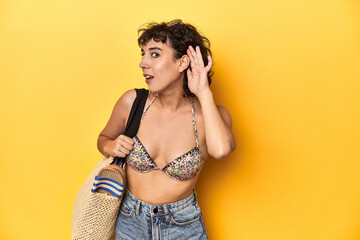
217	121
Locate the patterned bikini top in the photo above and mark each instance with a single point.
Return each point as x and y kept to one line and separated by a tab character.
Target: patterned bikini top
181	168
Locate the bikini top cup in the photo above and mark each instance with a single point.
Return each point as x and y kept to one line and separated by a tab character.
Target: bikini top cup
181	168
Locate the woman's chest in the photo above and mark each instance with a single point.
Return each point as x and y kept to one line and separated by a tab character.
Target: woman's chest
166	139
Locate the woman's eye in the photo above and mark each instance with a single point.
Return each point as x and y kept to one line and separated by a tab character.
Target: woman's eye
154	54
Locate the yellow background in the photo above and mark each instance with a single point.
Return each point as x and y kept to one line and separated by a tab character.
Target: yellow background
287	71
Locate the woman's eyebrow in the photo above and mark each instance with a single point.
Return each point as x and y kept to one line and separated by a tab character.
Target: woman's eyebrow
152	48
155	48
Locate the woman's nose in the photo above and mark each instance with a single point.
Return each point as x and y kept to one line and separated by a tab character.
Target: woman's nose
143	63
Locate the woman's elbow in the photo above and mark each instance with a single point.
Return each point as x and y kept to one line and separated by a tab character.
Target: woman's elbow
223	152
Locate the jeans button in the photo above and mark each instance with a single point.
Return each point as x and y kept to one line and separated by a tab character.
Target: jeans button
155	210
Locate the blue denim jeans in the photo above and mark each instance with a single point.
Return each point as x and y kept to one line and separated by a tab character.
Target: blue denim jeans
178	220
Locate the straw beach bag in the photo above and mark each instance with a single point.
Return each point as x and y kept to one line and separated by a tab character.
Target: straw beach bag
94	213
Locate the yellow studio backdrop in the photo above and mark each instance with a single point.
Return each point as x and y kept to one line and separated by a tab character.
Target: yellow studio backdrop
287	71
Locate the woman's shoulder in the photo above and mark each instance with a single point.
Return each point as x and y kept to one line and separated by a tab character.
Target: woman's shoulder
126	99
222	110
124	103
117	122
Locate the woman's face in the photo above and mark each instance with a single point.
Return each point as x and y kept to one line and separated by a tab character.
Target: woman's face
159	67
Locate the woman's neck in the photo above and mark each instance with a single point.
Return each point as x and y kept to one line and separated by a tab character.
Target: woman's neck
172	101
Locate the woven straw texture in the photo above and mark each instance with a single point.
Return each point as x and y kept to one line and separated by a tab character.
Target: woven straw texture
94	214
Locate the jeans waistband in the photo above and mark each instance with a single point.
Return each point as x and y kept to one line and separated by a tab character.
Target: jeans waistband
158	209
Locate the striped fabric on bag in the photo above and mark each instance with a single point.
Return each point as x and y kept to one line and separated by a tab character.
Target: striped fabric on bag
108	184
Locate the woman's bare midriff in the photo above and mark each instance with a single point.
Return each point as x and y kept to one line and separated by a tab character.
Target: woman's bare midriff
156	187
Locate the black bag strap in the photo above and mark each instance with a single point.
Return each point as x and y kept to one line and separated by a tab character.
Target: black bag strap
133	123
136	112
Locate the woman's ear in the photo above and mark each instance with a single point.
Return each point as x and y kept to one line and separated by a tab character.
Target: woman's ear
183	62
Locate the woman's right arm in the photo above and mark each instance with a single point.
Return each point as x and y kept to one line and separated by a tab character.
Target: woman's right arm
111	141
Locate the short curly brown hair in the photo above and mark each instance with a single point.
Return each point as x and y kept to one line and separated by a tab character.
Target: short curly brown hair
181	36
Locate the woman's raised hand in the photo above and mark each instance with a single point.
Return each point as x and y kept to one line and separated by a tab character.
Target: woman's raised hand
120	147
197	76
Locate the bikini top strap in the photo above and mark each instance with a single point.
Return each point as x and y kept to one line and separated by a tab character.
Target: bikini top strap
194	122
147	107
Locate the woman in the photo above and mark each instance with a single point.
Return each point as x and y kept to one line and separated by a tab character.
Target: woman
160	201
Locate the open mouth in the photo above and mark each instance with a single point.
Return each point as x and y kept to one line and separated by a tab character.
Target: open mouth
148	76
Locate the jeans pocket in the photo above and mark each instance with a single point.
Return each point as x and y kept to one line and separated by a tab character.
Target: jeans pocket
127	210
187	215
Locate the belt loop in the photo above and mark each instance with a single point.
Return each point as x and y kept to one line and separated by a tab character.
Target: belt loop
137	207
194	194
195	198
167	213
